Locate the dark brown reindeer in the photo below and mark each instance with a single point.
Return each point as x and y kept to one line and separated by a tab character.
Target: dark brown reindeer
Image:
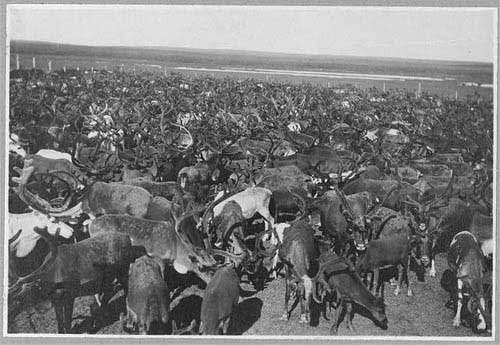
69	271
220	301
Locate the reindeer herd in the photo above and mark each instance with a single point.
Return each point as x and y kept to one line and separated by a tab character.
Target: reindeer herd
146	189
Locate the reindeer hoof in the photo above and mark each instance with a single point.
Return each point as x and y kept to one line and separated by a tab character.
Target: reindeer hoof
410	293
482	326
129	325
456	322
333	331
396	292
304	318
432	273
284	316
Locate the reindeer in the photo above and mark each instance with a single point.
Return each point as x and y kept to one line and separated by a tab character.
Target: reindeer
73	270
466	261
297	252
148	299
338	278
220	301
251	201
161	239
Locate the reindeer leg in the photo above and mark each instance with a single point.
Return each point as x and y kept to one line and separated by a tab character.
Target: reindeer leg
59	309
123	320
275	266
122	278
378	288
295	303
285	315
301	295
482	322
407	270
308	286
225	325
68	313
432	272
400	279
337	318
131	320
369	280
105	288
329	308
456	320
303	316
349	316
376	273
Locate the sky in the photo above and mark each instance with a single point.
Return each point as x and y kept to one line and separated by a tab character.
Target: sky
420	33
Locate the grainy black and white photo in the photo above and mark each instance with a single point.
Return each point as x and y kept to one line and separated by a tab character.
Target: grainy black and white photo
272	171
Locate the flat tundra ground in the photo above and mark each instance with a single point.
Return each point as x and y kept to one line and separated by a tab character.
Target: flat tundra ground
423	314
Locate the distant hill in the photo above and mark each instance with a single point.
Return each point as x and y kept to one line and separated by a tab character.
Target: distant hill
172	58
251	59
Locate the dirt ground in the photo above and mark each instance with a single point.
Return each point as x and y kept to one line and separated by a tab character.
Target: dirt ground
423	314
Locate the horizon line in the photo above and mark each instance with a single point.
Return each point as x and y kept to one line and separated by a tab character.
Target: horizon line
251	51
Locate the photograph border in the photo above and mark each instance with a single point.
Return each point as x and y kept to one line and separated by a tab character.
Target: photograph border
64	339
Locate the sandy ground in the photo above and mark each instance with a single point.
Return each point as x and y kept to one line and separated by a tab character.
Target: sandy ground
258	313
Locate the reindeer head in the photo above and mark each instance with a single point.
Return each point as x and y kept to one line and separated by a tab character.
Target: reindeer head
189	257
27	288
359	224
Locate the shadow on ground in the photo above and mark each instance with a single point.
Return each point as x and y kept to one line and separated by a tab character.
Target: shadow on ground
188	309
247	313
